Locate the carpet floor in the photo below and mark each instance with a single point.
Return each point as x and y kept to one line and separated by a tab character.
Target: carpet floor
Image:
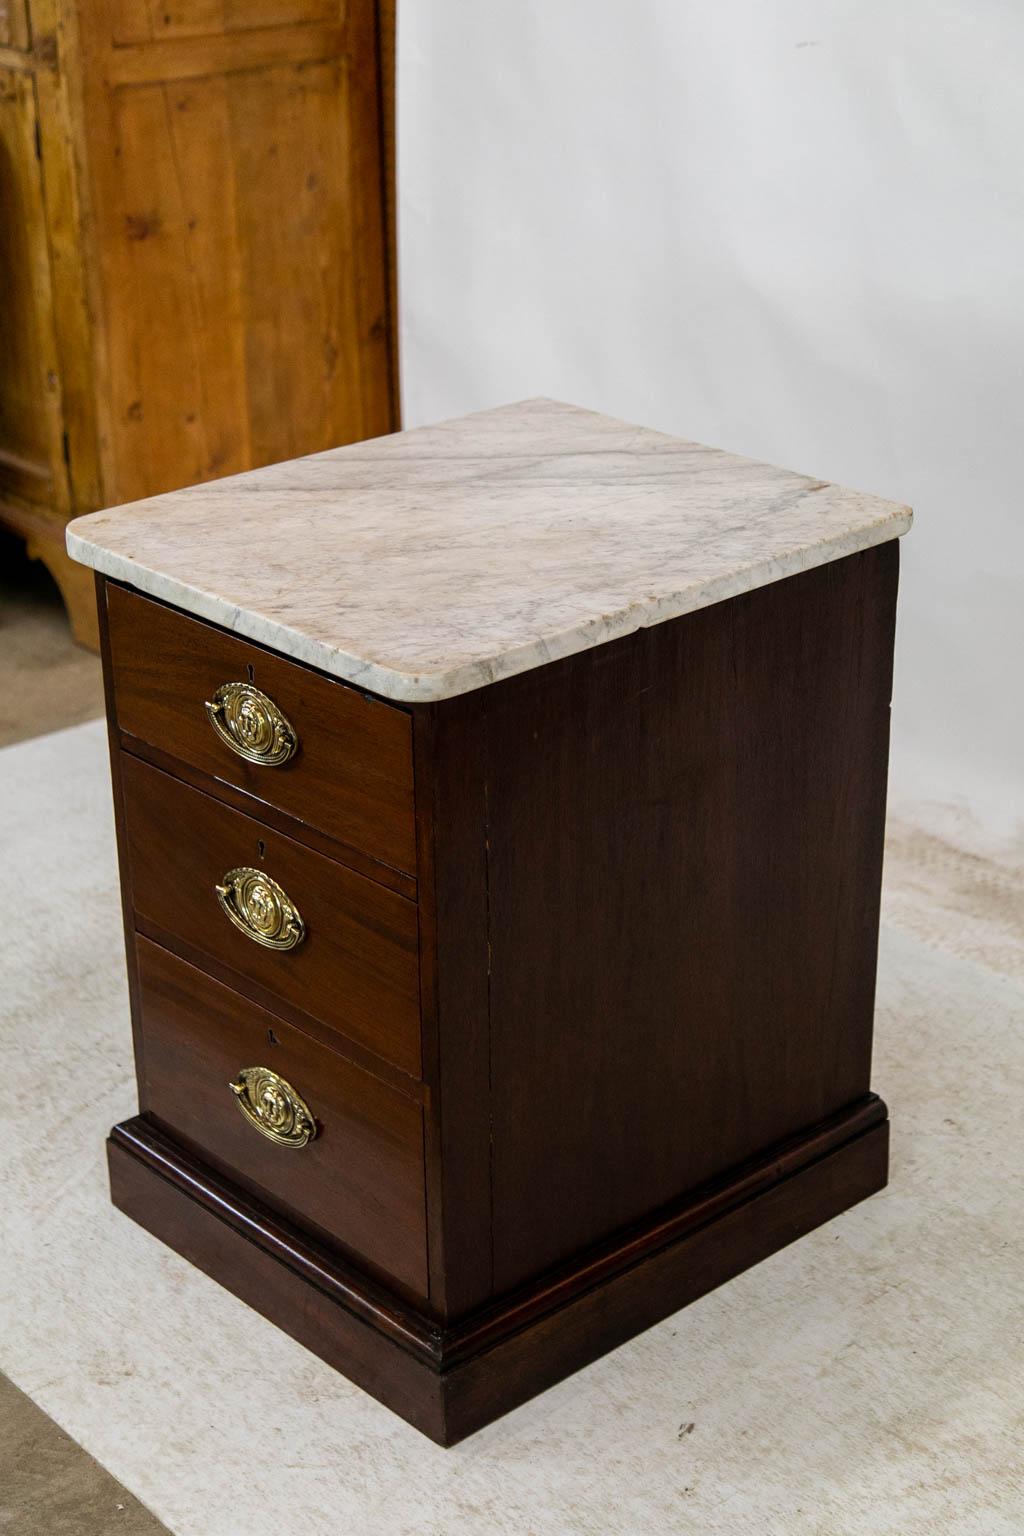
867	1381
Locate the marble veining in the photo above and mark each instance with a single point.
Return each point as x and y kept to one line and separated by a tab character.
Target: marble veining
432	562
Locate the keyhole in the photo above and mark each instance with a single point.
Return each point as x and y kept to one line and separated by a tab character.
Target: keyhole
272	1038
251	672
261	845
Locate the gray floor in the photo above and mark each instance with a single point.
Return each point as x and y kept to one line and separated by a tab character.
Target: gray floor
46	680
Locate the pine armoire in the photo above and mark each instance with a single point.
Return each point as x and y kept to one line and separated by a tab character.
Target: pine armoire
195	269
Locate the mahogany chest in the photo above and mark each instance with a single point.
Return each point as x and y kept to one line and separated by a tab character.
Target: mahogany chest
500	812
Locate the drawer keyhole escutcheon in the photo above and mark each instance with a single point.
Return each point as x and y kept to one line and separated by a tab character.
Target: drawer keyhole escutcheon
251	724
260	909
273	1107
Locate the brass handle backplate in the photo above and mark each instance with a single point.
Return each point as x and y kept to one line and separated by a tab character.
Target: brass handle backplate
273	1107
251	724
260	909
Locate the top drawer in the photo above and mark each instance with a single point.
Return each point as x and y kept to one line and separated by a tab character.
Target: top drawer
350	773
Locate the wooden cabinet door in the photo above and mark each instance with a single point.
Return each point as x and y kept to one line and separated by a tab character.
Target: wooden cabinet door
136	22
234	151
31	464
13	24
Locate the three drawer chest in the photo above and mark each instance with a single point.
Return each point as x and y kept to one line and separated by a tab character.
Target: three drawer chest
499	810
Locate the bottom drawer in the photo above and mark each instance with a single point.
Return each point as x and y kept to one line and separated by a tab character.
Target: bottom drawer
359	1180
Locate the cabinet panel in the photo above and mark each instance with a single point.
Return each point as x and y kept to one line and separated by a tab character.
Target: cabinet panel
352	776
239	225
356	970
13	24
135	23
28	379
359	1180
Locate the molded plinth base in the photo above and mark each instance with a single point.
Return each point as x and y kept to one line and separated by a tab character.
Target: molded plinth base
451	1380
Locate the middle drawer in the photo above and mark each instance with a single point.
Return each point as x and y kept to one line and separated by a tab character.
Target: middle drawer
356	967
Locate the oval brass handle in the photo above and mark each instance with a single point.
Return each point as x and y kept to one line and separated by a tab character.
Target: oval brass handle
273	1107
260	909
251	724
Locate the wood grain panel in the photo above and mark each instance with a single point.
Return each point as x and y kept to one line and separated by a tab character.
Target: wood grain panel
648	906
195	249
13	24
169	262
329	1307
598	1319
359	1183
67	226
451	809
237	199
352	777
141	21
685	840
183	59
433	1377
314	302
29	388
357	968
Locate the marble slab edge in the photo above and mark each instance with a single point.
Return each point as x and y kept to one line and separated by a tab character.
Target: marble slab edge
432	687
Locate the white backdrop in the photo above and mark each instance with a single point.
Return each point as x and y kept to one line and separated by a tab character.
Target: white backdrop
792	230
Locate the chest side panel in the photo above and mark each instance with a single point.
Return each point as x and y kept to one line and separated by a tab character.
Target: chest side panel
685	841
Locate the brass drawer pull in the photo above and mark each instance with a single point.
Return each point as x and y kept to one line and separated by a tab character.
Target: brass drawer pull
260	909
273	1107
251	724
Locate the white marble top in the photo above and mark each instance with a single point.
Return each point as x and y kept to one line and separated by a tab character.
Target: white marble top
429	563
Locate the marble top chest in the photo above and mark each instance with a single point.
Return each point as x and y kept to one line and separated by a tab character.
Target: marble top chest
500	812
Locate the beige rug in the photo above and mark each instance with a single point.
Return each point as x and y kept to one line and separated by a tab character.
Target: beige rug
868	1380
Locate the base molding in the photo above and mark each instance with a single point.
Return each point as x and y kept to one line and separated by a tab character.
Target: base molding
449	1381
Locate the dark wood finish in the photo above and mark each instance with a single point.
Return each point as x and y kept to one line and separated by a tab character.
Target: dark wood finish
305	1290
196	248
450	1382
634	1245
394	879
357	968
452	812
359	1182
702	1257
352	776
684	859
362	1057
637	980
